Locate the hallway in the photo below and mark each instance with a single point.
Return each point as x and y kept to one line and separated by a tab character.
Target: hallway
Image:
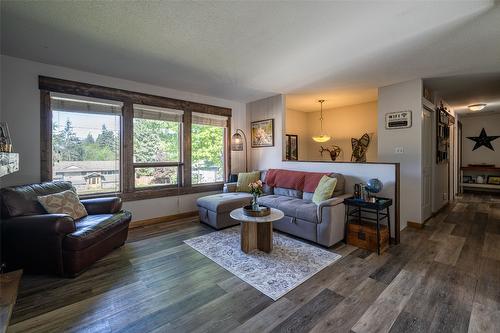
461	288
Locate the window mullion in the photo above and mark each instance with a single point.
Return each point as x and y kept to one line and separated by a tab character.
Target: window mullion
128	147
46	137
156	164
186	148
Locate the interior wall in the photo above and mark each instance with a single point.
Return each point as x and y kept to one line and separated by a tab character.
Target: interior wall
342	124
400	97
268	108
20	108
296	122
472	126
265	158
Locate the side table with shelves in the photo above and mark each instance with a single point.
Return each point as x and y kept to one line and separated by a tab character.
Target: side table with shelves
368	217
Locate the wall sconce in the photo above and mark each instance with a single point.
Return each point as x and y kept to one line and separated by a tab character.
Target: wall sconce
237	144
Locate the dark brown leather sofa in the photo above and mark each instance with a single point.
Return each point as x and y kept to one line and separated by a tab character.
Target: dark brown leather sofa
39	242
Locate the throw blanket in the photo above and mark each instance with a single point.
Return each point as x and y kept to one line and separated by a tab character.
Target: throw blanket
297	180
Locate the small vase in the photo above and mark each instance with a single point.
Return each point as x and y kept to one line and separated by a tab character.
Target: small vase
255	204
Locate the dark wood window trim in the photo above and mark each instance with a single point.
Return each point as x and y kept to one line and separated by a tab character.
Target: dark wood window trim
129	98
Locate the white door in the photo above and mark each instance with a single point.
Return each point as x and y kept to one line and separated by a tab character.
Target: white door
426	164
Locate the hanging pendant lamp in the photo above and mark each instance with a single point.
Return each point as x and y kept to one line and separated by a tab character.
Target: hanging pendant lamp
322	137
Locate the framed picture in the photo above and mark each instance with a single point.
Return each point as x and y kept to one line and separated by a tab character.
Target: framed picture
263	133
467	179
494	180
5	141
292	147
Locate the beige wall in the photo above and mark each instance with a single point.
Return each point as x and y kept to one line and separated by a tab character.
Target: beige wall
393	98
341	124
296	123
472	126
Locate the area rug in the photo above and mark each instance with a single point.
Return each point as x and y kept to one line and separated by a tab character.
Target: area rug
289	264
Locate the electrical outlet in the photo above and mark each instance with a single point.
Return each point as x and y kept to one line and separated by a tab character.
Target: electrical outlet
399	150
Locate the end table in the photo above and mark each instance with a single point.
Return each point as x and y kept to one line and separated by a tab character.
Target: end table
380	208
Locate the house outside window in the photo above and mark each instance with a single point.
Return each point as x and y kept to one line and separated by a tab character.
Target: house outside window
86	143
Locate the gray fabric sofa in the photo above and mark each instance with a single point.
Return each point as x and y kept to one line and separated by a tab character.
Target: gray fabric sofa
323	223
214	209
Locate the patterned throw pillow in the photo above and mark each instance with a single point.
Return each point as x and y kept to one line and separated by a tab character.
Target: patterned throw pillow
65	202
324	190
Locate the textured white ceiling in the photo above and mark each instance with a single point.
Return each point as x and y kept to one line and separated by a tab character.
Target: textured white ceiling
248	50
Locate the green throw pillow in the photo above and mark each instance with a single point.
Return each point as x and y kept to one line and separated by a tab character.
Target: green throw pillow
245	178
324	190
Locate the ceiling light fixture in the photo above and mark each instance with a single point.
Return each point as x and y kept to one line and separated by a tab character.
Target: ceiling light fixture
322	137
476	107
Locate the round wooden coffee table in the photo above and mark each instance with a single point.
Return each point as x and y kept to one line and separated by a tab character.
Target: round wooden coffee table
257	232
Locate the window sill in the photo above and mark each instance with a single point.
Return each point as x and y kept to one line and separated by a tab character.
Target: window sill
99	195
144	194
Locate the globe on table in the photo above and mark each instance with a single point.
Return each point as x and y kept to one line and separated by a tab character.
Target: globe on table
374	185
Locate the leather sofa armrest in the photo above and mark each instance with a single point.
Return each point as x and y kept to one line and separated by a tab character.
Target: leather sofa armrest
108	205
34	242
36	225
230	187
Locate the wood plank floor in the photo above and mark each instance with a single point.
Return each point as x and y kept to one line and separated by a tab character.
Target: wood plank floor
442	278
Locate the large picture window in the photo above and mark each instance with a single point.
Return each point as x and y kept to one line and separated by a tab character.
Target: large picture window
208	146
157	146
107	140
86	143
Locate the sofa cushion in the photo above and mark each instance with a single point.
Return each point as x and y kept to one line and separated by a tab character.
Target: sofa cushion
302	180
340	187
265	187
95	228
246	178
65	202
285	178
324	190
23	200
292	207
312	180
307	196
288	192
225	202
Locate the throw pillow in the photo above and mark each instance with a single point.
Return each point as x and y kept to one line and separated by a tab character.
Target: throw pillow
65	202
324	190
245	178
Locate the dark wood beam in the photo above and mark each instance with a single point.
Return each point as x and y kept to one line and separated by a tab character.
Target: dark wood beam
45	137
96	91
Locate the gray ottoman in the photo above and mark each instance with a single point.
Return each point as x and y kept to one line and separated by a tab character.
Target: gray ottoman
214	209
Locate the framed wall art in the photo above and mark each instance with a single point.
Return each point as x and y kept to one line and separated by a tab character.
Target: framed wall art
263	133
292	147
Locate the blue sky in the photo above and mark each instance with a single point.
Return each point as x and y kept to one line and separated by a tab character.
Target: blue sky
84	123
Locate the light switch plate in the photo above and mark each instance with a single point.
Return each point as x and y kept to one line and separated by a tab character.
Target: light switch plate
399	150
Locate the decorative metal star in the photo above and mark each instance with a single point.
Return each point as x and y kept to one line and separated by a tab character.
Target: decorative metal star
483	140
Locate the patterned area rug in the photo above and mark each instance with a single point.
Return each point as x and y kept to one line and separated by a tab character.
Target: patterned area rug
289	264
